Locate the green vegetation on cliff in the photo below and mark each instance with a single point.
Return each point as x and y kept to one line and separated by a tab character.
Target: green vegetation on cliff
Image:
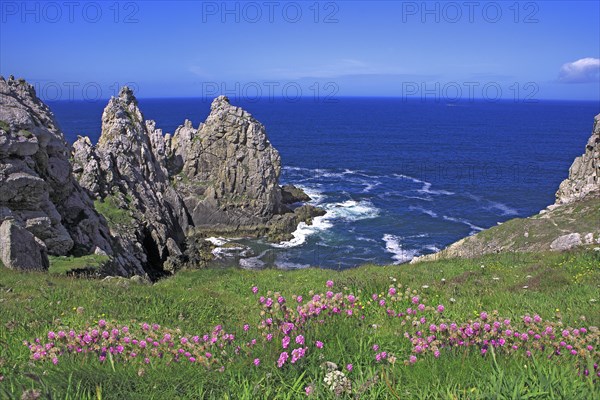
533	234
114	214
562	288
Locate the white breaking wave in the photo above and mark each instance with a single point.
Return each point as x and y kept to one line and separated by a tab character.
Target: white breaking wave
217	241
369	186
410	178
348	211
426	188
400	255
431	213
432	248
506	210
474	228
316	196
253	262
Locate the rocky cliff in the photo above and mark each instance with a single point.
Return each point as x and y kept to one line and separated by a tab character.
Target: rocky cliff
161	193
42	208
131	187
144	199
226	170
572	221
584	174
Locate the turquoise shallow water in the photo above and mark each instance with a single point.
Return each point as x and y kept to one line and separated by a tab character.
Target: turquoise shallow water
397	178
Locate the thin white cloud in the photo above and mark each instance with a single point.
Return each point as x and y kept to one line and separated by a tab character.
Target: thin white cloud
584	70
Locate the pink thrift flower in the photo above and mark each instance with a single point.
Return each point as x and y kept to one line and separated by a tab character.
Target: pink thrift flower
349	367
392	291
440	308
246	327
329	284
375	347
102	323
257	361
254	289
412	359
308	390
319	344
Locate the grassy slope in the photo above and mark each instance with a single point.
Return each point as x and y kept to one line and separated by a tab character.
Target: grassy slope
195	301
582	217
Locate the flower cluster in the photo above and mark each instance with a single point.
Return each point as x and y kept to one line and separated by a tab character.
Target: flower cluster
284	328
335	380
139	343
502	335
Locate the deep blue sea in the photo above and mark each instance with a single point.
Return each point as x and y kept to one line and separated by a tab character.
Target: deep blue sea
398	178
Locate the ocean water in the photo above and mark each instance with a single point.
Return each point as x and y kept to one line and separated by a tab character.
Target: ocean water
397	178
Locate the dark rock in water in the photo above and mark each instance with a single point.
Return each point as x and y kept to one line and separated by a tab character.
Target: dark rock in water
280	228
291	194
19	249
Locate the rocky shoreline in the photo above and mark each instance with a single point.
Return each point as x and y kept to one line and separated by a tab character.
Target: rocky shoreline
146	200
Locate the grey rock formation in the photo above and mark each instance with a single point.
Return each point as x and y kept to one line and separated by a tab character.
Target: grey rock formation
218	179
566	242
584	174
291	194
37	189
226	170
20	249
143	198
144	211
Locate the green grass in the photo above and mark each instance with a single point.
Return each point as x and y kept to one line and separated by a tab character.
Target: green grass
558	286
63	265
4	126
25	133
114	214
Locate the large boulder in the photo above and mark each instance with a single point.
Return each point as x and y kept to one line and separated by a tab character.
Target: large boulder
20	249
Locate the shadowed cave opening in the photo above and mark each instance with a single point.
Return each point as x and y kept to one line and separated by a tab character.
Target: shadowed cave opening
154	264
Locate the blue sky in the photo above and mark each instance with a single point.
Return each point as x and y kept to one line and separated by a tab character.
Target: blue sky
534	50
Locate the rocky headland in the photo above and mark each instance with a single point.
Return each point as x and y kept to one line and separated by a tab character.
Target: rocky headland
144	199
573	220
